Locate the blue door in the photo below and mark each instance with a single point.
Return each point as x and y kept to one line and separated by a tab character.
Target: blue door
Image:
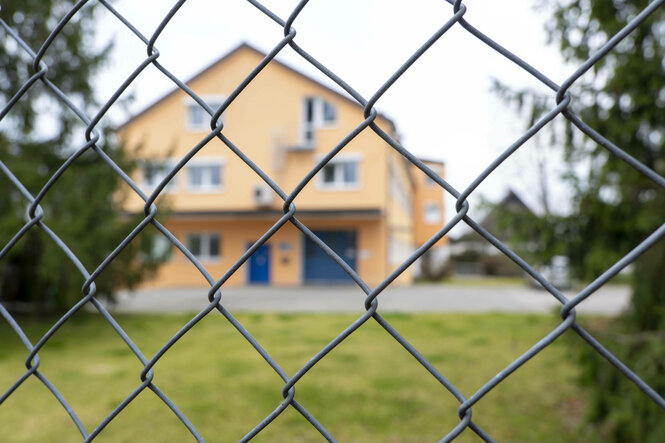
259	265
319	268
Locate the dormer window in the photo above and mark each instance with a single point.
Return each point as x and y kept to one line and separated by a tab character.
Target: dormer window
317	113
197	119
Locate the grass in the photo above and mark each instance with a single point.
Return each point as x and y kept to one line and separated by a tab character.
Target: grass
367	389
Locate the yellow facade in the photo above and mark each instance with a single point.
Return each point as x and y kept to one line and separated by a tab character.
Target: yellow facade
269	123
428	195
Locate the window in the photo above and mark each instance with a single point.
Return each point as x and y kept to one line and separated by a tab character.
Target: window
204	175
310	103
316	113
204	246
155	248
309	123
160	248
340	173
432	213
156	171
329	112
197	117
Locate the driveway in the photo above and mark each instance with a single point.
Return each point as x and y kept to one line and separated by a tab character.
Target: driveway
609	300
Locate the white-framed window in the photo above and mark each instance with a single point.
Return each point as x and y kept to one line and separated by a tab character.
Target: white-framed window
154	172
205	175
432	213
205	246
161	248
197	119
340	173
328	113
317	113
156	248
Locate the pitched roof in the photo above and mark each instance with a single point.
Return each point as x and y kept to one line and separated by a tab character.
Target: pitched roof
510	202
513	201
241	47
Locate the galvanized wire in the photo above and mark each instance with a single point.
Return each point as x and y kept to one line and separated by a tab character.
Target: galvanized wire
95	142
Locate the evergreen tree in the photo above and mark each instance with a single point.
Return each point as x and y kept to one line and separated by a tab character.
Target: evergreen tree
614	206
37	135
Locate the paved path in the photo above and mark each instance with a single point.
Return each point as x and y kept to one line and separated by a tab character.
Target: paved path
347	299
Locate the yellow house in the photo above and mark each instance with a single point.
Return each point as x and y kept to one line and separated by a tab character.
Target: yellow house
368	204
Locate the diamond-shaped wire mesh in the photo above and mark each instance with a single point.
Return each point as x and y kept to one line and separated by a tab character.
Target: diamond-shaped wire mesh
94	142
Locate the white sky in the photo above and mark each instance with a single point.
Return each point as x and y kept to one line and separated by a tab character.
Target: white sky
443	106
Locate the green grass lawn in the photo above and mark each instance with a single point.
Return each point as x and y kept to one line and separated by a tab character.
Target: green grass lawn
367	389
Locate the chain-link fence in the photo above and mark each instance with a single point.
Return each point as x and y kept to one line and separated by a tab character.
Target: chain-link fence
36	219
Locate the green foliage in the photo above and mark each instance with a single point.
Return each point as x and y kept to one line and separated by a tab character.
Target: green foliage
617	408
71	59
615	207
36	137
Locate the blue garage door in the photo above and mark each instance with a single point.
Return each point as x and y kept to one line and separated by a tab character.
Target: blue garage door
319	268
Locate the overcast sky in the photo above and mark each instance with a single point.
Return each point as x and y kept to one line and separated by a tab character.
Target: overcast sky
443	106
